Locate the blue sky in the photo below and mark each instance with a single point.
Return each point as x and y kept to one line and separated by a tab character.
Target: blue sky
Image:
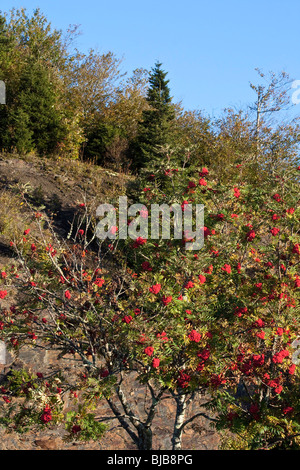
210	48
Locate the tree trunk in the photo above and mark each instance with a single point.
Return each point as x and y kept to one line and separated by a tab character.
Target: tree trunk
145	438
179	420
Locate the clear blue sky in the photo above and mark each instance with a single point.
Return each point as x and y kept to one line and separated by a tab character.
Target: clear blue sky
210	48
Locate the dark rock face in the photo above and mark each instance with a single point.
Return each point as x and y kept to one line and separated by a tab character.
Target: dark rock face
198	435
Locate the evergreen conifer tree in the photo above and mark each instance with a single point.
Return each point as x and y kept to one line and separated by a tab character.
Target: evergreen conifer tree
35	115
38	99
155	132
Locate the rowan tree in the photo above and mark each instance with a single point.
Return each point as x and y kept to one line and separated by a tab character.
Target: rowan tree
218	323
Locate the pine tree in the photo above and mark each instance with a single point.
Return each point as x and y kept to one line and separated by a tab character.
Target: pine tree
31	59
155	127
38	99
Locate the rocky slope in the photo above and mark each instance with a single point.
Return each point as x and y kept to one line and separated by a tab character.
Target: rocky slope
57	186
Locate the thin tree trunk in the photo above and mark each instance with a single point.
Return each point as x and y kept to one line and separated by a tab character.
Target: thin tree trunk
181	402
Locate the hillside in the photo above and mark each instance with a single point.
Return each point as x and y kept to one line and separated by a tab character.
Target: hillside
59	186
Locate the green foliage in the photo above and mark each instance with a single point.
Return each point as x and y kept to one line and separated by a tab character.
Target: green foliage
83	426
154	133
99	139
30	401
34	118
16	131
33	122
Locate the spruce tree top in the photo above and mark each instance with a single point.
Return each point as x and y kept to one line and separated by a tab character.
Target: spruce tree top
158	93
